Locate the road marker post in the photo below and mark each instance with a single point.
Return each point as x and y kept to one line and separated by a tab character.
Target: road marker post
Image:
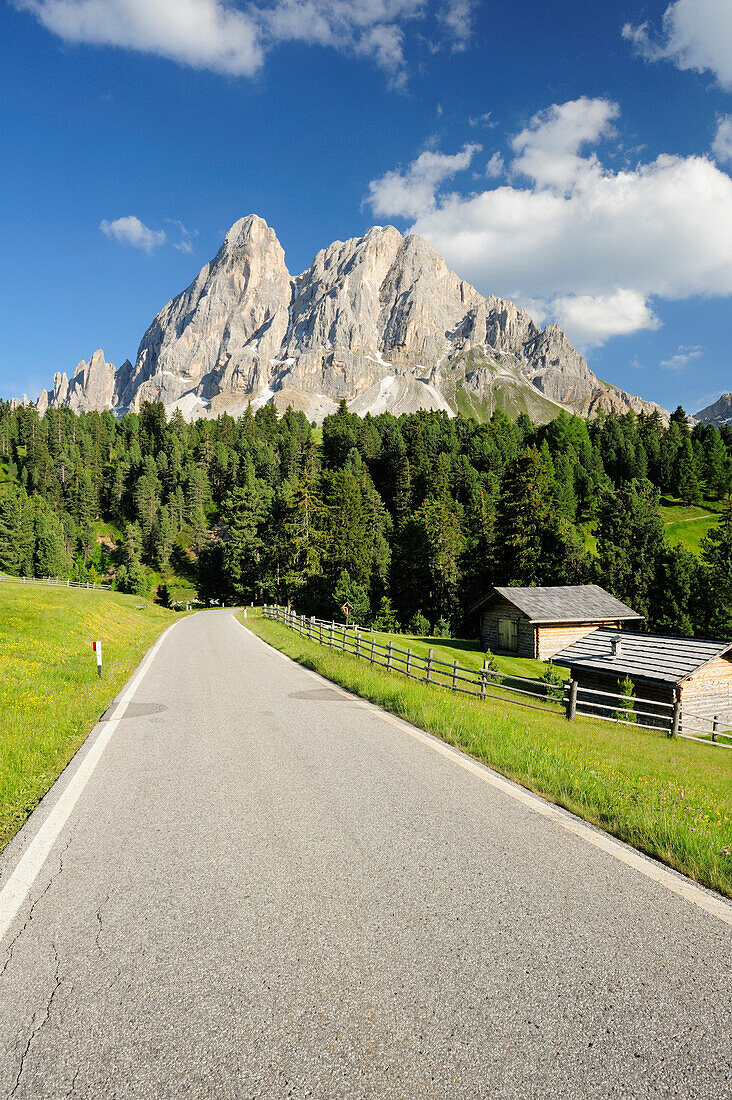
97	647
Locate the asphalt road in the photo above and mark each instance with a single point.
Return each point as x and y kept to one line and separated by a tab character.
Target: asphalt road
267	889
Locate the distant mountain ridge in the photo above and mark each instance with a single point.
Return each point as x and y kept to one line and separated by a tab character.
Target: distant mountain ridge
718	414
377	320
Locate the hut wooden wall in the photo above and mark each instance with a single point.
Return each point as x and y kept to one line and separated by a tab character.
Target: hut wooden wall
553	637
501	609
654	692
708	692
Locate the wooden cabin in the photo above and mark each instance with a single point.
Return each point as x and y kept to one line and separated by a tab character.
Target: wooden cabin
538	622
662	668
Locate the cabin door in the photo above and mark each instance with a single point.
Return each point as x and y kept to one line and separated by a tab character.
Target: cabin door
508	635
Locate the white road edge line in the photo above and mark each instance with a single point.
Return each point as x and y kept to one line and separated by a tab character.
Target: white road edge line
671	880
18	886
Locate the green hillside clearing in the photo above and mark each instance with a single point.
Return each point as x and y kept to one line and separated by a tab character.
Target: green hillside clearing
686	525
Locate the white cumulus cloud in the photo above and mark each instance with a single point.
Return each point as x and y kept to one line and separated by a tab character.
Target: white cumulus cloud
202	33
495	167
682	357
592	319
722	145
231	39
130	230
696	34
457	16
547	151
589	245
409	194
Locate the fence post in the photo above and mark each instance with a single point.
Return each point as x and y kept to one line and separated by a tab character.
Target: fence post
345	638
373	644
389	656
572	700
430	658
332	635
715	726
454	676
409	662
483	679
358	646
676	720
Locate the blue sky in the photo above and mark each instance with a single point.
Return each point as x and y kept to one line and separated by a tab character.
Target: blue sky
573	156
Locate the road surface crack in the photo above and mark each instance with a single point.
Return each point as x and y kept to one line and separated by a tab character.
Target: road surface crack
37	1027
31	911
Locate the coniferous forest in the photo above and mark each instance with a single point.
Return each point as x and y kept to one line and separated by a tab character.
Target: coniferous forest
409	519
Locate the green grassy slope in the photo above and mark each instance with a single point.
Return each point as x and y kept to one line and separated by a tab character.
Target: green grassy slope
466	652
670	798
50	694
687	525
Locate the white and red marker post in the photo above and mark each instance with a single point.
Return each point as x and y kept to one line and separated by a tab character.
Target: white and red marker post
97	647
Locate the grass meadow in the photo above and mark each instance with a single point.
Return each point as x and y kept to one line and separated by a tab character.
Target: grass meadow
686	525
669	798
50	694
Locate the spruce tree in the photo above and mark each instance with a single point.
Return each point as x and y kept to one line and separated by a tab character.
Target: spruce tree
629	543
686	476
50	558
11	513
717	576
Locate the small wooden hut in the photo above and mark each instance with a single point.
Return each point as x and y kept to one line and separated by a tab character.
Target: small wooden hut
538	622
663	668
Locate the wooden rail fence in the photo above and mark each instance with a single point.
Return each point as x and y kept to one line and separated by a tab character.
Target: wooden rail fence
483	683
61	582
570	698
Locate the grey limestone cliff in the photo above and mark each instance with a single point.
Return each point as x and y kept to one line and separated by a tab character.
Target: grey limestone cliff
377	320
719	413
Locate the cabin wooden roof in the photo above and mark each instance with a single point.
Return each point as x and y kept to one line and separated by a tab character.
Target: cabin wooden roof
579	603
642	656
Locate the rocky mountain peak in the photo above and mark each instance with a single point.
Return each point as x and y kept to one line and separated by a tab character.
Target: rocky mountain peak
379	320
92	386
251	231
718	413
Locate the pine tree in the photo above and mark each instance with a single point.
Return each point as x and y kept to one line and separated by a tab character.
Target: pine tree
244	549
163	536
717	465
626	703
50	558
629	543
528	526
11	517
686	476
717	576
